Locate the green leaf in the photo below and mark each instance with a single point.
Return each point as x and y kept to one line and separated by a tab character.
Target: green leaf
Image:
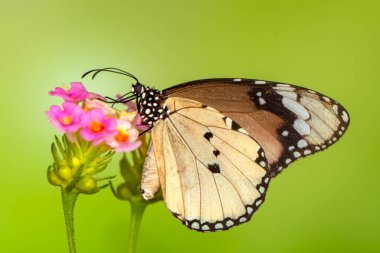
54	152
124	165
59	144
76	149
105	178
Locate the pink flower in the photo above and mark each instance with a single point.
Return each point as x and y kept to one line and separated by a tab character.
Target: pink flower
76	93
97	126
67	120
126	138
97	104
92	95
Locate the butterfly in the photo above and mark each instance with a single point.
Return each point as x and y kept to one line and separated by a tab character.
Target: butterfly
217	143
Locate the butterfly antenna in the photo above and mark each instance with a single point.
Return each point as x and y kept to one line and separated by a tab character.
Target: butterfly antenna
127	99
119	100
126	95
112	70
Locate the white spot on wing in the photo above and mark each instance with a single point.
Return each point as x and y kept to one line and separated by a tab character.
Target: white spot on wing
302	143
296	108
243	219
229	223
345	116
249	210
205	227
283	87
261	101
288	94
242	130
218	226
326	99
229	122
307	152
260	82
237	80
335	109
195	225
301	127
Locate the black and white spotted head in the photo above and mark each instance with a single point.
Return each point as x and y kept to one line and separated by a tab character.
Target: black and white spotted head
149	103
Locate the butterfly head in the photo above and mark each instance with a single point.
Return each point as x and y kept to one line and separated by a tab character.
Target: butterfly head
149	103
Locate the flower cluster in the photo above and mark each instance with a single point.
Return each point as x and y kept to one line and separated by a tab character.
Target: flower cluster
85	114
93	132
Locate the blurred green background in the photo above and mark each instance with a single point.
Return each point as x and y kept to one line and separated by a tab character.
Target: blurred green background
326	203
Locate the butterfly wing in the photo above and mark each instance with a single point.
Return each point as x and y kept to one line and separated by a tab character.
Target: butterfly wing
288	121
150	182
213	175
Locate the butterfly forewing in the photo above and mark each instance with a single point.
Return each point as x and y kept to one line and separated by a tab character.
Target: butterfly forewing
213	175
289	122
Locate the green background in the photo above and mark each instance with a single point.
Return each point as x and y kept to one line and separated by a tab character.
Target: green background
326	203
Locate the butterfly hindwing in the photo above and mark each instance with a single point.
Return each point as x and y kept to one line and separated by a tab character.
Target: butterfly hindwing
213	175
288	121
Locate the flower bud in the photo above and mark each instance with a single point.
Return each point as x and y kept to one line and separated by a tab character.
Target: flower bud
76	164
53	178
86	184
123	192
89	170
65	173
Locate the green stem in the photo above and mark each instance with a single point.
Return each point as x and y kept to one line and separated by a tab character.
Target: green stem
137	211
68	203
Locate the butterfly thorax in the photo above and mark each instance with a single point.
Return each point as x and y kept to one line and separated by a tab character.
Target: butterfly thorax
149	103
